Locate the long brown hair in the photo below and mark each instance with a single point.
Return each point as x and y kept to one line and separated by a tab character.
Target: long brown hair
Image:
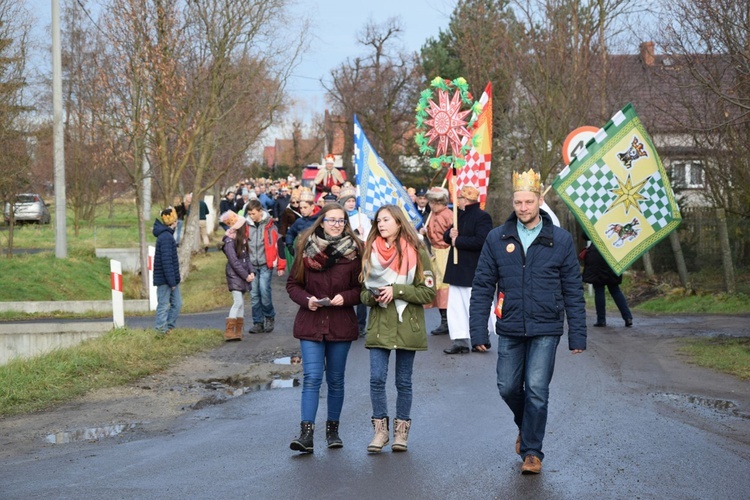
298	268
405	231
240	240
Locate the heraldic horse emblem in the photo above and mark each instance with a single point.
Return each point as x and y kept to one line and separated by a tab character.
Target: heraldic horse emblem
624	232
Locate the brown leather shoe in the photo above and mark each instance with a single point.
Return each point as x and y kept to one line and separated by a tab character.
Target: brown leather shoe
518	444
531	465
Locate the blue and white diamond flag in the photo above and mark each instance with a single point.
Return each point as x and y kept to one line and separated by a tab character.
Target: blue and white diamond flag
376	184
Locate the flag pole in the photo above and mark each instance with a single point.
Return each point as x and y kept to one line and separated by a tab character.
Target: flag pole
455	210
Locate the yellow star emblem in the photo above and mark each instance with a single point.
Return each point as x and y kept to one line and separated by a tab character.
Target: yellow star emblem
628	195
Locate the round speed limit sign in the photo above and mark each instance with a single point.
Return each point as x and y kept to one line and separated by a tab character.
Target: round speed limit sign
575	142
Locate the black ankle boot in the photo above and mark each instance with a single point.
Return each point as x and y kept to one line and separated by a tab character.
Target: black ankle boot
443	328
304	443
332	434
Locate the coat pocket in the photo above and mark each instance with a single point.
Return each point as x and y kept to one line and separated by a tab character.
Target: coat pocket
414	324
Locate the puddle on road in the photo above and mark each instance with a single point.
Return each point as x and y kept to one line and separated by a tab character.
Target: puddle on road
89	434
722	406
289	360
232	388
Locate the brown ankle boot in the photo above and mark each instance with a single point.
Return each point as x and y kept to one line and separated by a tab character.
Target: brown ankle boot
229	332
400	434
238	328
381	437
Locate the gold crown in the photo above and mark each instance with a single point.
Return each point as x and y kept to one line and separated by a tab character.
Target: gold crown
527	181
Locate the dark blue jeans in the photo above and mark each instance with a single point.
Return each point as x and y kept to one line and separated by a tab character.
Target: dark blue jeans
379	375
260	295
319	357
524	371
617	296
362	317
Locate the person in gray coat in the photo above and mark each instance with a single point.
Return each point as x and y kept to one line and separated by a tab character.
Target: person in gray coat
533	267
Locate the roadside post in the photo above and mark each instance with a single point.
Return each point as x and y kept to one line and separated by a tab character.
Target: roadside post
118	306
152	302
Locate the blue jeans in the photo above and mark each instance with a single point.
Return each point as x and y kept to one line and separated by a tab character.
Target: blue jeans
260	295
617	296
379	375
524	371
168	305
361	317
318	357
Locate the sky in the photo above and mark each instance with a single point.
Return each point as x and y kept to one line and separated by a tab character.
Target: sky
335	25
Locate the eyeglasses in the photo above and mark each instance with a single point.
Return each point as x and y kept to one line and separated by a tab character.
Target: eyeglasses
335	222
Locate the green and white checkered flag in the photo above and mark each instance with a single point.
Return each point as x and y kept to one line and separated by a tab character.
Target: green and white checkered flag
617	188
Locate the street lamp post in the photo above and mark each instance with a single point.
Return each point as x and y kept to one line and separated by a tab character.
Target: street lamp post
61	239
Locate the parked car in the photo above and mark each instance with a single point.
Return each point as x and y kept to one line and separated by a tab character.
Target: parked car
28	208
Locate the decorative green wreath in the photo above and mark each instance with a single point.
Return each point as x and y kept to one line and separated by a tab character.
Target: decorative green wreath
446	122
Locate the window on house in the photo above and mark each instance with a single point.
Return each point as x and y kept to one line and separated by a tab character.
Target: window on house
688	174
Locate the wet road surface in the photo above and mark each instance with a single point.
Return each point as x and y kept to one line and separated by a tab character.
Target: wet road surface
627	419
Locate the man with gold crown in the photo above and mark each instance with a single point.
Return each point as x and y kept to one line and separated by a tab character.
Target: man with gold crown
533	267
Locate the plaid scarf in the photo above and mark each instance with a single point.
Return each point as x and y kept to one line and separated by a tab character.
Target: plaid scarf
323	251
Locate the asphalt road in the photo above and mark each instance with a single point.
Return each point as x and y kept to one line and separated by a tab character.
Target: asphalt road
628	419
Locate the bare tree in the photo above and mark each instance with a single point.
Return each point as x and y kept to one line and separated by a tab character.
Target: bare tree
708	45
15	26
380	88
188	88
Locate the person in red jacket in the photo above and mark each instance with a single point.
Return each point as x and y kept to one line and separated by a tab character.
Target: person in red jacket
262	243
325	283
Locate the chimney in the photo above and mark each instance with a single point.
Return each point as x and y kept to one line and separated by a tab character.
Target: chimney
647	53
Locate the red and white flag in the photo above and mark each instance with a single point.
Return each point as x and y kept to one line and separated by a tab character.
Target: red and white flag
476	172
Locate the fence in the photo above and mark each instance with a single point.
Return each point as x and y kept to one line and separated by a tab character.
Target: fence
699	237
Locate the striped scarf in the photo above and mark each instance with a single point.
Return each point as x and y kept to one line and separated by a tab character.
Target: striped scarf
385	269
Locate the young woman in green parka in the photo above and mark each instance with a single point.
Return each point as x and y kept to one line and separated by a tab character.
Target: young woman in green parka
398	281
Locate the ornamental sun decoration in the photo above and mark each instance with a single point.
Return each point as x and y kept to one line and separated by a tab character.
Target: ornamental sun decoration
446	125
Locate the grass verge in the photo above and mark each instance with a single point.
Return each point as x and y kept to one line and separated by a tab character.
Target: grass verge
727	355
117	358
720	303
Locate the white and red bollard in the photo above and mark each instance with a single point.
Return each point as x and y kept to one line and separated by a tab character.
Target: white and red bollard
118	305
152	302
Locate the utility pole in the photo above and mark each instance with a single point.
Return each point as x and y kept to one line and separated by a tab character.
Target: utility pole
61	237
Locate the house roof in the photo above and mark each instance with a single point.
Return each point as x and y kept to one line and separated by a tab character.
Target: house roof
663	88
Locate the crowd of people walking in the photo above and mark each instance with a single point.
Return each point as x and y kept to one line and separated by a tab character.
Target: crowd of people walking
354	277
